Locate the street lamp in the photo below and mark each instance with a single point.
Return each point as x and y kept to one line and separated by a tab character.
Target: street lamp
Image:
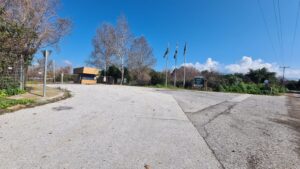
46	53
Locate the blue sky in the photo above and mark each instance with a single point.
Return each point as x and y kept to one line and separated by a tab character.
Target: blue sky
223	30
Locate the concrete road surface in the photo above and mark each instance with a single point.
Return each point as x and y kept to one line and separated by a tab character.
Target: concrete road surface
115	127
107	127
246	131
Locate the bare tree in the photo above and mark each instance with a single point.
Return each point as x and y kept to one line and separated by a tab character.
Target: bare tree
103	43
123	40
40	17
191	72
140	59
36	69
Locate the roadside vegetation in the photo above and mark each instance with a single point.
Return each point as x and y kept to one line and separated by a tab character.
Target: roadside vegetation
252	82
26	27
6	102
10	89
128	59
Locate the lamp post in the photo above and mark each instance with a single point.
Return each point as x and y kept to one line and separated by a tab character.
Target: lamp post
46	54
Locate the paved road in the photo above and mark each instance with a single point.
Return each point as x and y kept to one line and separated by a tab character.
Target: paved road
115	127
107	127
246	131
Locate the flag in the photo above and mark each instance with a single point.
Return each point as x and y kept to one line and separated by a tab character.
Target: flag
166	53
176	51
184	50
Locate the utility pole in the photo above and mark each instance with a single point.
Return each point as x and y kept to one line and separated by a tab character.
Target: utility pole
46	53
283	72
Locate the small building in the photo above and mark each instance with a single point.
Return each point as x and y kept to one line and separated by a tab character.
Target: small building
86	75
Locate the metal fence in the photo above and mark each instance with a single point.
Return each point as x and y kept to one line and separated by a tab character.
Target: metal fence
12	75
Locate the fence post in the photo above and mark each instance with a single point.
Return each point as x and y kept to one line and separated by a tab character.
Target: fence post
21	74
62	78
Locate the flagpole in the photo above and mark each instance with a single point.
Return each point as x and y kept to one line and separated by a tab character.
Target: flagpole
175	57
166	55
166	71
175	73
184	66
184	72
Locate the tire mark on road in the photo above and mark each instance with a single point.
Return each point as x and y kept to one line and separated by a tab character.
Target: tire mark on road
293	104
200	119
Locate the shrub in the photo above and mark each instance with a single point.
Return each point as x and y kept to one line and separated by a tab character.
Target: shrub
13	91
157	77
251	88
8	82
2	93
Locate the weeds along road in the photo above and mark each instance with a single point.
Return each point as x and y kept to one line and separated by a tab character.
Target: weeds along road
123	127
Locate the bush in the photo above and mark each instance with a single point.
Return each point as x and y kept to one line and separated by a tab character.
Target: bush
14	91
2	93
157	78
8	82
251	88
11	92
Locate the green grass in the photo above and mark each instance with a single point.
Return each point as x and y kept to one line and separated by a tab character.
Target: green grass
6	103
11	92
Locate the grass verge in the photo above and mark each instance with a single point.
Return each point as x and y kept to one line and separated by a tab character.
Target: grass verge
10	105
6	102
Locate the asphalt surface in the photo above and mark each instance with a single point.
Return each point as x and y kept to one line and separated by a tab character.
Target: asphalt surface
247	131
119	127
107	127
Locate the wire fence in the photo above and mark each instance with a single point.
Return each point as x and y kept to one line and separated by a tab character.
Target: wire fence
12	76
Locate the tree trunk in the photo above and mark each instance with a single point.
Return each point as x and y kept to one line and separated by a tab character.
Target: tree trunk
122	71
25	77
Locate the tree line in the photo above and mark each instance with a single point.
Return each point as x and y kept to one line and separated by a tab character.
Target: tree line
253	82
116	47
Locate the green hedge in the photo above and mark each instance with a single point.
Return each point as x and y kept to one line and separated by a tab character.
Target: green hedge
251	88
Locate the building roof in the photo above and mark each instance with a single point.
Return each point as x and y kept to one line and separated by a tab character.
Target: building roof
86	70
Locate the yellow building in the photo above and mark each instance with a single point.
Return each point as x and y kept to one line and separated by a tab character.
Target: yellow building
86	75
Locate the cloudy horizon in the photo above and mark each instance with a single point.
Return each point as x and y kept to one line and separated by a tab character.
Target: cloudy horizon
243	66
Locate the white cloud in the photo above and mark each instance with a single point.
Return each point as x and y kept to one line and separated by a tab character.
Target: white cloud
210	64
67	62
292	73
243	66
248	63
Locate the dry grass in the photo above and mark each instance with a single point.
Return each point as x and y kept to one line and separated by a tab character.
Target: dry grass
35	92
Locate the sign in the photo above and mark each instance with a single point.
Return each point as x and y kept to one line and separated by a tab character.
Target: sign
198	81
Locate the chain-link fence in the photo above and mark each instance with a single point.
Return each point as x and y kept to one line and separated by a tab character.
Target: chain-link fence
12	75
